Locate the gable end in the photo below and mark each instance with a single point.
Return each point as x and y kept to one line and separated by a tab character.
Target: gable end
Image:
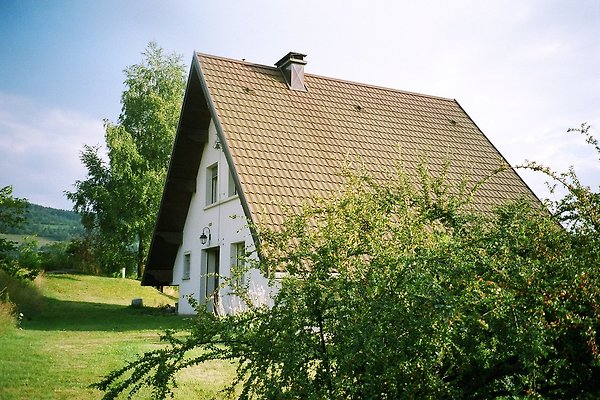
180	185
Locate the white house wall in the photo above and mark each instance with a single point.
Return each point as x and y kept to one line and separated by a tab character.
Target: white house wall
227	224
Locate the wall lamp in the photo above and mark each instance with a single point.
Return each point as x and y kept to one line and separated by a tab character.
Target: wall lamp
204	237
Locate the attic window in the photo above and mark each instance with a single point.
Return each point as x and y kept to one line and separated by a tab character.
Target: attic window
231	188
212	184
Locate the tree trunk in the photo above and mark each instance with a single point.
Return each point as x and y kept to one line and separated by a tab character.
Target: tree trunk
140	257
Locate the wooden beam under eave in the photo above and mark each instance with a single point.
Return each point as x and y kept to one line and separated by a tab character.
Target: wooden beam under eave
171	237
160	277
195	135
183	184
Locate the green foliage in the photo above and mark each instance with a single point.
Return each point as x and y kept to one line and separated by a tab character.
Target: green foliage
28	256
19	296
47	222
8	315
8	310
81	256
56	256
26	259
12	209
119	199
400	291
11	215
15	260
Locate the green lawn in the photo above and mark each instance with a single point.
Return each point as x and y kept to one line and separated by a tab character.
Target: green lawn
84	329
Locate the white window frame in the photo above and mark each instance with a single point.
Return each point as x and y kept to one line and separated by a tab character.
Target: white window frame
238	249
212	184
231	187
187	264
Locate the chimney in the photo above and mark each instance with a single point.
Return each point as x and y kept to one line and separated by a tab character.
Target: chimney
292	68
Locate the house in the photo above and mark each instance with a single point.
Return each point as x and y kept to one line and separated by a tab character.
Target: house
255	140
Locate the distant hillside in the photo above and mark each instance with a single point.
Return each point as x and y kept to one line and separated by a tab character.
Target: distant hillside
51	223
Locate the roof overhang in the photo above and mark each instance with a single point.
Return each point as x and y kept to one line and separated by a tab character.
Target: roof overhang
192	135
180	185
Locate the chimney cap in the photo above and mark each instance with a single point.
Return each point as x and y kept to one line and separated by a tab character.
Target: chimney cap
289	58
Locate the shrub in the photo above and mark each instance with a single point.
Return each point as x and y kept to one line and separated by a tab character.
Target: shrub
29	257
400	292
82	256
12	211
23	294
55	257
8	313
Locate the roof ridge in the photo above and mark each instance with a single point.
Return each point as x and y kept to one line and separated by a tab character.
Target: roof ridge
380	87
283	150
329	78
242	61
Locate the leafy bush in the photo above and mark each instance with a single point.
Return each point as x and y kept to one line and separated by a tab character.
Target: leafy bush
20	261
55	257
82	256
23	260
22	296
395	291
28	255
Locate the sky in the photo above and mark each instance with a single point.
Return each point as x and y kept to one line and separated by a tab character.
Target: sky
524	70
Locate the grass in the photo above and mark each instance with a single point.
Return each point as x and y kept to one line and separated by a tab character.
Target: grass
24	293
8	317
84	329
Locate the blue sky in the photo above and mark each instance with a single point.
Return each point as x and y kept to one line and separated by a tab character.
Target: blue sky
524	70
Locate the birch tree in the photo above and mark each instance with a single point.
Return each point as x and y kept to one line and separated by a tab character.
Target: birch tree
120	196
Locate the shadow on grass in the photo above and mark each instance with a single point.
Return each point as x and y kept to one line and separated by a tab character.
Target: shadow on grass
61	315
63	276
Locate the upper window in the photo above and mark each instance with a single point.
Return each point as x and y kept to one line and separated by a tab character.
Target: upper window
212	184
231	188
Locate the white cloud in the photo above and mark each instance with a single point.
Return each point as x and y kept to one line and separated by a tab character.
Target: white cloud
39	149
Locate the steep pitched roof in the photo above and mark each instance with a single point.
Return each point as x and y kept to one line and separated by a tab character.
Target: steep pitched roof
287	146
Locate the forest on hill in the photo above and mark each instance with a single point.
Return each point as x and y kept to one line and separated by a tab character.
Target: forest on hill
47	222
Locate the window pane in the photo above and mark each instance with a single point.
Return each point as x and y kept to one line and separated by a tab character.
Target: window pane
212	185
231	189
238	254
186	265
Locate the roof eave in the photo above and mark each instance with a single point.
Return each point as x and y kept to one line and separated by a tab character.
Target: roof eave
225	147
192	135
180	184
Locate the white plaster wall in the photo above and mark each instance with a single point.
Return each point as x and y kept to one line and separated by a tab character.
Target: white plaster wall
227	225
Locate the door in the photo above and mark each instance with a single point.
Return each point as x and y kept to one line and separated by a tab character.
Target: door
212	279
